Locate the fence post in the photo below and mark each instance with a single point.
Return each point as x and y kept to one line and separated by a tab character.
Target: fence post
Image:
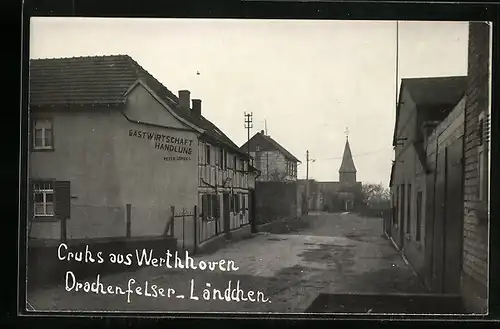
195	224
172	221
183	229
129	222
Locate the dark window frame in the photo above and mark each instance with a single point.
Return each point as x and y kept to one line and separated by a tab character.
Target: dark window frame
33	142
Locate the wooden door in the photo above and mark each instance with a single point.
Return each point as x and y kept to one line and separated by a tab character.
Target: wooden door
439	214
401	219
453	220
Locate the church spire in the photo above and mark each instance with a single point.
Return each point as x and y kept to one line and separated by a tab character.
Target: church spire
347	165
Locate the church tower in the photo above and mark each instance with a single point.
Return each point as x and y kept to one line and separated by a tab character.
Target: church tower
347	171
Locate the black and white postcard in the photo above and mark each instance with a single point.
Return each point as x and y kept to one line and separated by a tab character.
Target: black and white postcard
251	166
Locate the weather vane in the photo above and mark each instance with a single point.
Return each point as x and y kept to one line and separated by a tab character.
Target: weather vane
346	131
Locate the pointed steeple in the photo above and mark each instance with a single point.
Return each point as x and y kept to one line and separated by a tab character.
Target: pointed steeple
347	165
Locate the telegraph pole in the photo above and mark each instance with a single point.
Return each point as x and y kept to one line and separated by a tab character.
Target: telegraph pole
307	182
308	159
248	126
251	194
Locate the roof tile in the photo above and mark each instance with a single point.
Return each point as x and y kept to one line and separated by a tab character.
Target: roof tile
104	80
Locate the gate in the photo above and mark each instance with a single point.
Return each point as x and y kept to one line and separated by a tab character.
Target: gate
176	227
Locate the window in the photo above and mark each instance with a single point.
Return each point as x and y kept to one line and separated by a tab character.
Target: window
235	203
43	199
243	205
408	212
419	216
209	206
207	154
42	134
222	159
235	162
242	165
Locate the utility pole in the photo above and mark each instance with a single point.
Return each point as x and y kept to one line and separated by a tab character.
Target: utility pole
307	180
248	126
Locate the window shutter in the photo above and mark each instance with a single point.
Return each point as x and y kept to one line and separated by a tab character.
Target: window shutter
204	206
31	134
217	206
62	199
31	200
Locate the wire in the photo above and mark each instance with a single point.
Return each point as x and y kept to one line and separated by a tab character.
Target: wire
356	155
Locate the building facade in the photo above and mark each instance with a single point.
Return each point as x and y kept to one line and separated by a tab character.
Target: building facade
274	162
423	103
429	120
135	155
440	205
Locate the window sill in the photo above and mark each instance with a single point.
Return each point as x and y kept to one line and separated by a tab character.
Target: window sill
42	149
45	219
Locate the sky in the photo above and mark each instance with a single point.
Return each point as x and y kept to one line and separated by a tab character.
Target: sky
306	80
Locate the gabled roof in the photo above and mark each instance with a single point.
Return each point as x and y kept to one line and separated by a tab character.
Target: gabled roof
433	94
347	165
260	137
104	81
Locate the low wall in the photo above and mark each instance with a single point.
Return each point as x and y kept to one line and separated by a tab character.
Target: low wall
222	240
284	225
45	268
275	200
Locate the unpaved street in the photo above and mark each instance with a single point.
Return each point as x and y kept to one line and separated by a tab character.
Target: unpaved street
338	253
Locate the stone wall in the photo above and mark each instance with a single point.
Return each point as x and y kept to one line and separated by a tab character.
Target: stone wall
275	200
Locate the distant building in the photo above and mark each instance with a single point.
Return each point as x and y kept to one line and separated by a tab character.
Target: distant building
274	162
336	196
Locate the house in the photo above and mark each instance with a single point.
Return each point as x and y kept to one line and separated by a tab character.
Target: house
439	180
423	103
136	156
273	161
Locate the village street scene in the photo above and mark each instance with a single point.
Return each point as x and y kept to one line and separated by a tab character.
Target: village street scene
241	173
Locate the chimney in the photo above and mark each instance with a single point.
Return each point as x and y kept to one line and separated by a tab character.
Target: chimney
196	107
184	99
262	132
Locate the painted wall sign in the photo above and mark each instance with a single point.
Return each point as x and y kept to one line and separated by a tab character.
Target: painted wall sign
180	145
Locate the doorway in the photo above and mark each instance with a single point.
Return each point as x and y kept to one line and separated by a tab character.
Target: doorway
453	218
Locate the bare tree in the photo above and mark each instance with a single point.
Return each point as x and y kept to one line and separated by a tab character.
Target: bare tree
375	194
277	175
